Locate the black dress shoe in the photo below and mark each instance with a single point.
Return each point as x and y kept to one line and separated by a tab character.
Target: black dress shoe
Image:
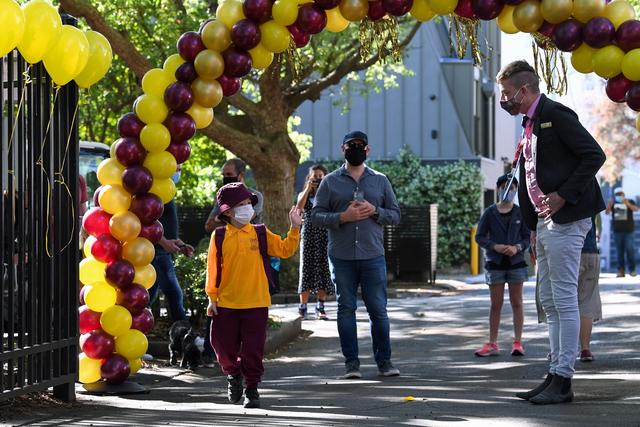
559	391
251	398
526	395
234	388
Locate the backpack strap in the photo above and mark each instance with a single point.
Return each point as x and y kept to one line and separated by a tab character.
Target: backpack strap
261	231
219	238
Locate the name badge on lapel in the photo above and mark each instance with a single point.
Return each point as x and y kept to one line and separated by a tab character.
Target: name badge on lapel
546	125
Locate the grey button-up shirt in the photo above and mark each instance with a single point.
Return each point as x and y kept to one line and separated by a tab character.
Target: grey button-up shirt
360	239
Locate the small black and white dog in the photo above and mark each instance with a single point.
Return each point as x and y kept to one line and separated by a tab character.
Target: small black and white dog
182	344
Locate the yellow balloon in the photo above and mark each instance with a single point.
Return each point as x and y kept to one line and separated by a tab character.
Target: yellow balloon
582	58
585	10
135	365
145	276
110	172
421	11
115	199
505	20
43	26
229	12
354	10
156	80
285	12
631	65
151	109
336	22
100	296
138	252
201	115
208	93
275	37
112	151
209	64
86	248
161	165
442	7
100	57
619	11
68	56
556	11
527	16
170	66
91	270
88	369
12	26
607	62
155	137
132	344
125	226
216	36
260	57
304	1
163	188
115	320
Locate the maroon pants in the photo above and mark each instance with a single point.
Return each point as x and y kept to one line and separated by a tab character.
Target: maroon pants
238	337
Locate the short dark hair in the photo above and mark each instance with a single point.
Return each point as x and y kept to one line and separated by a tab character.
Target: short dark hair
504	179
520	73
318	167
238	165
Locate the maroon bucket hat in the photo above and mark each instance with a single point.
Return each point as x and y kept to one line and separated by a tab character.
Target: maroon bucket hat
231	194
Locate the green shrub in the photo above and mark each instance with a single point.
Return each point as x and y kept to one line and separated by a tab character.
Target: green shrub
192	273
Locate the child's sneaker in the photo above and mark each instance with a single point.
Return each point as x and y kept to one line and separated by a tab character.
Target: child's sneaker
234	388
489	349
320	313
302	311
251	398
517	349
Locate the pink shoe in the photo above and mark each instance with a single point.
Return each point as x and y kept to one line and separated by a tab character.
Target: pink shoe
517	349
489	349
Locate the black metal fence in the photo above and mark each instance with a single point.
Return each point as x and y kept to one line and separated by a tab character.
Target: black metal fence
39	229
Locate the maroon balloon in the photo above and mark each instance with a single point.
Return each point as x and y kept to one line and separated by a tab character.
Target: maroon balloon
633	97
311	18
190	45
327	4
599	32
147	207
397	7
134	298
181	126
376	10
129	151
245	34
120	273
116	369
106	248
628	35
152	232
237	63
180	150
465	10
257	10
88	320
186	72
96	196
97	344
83	290
617	88
143	321
487	9
179	97
300	38
568	35
546	31
137	180
512	2
96	222
230	85
130	125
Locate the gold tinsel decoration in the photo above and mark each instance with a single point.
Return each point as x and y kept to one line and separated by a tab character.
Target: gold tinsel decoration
550	64
380	36
294	62
463	31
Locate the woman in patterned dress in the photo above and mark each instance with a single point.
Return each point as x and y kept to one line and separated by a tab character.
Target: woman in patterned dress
315	277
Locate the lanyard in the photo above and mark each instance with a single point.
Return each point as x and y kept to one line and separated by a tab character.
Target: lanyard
515	164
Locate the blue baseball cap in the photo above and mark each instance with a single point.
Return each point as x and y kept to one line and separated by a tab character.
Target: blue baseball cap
356	135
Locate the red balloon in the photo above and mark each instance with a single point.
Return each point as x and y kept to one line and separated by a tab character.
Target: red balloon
81	296
568	35
245	34
96	196
628	35
599	32
130	125
88	320
397	7
143	321
153	232
178	96
327	4
180	150
465	10
237	63
190	45
129	151
181	126
487	9
547	29
257	10
300	38
633	97
617	88
97	344
120	273
96	222
137	180
376	10
311	18
134	298
230	85
147	207
106	248
186	72
115	369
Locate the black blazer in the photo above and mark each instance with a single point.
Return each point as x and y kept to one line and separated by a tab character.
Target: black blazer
568	159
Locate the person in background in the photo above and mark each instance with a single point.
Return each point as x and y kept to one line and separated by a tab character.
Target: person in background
623	230
315	277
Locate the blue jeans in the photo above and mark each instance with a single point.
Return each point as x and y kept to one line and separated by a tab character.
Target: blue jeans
371	274
167	282
625	247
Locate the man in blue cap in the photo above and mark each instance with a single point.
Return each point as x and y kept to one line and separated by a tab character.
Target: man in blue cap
354	203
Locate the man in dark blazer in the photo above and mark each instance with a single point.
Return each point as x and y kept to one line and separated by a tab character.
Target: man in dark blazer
558	160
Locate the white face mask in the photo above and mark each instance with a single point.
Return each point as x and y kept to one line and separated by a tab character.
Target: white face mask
243	214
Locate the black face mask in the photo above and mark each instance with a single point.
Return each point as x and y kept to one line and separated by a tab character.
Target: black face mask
229	179
355	155
511	106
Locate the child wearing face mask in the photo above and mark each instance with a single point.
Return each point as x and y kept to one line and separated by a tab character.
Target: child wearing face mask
238	288
505	239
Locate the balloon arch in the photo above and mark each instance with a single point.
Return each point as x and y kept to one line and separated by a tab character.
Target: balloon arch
602	36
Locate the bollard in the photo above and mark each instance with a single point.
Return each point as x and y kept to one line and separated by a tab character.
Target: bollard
474	253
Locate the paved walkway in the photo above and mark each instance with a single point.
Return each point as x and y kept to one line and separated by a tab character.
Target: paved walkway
434	339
